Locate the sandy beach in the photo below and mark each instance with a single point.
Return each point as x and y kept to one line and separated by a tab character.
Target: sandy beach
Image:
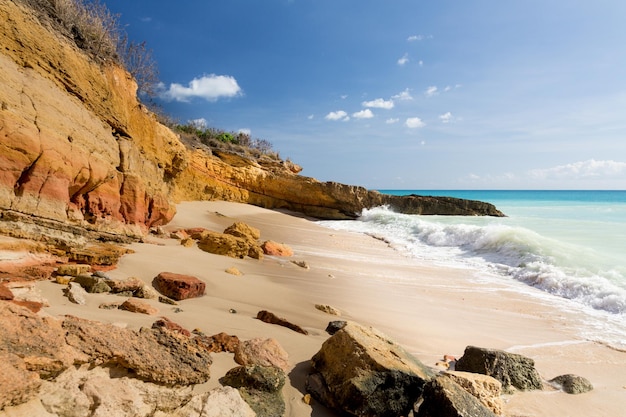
430	310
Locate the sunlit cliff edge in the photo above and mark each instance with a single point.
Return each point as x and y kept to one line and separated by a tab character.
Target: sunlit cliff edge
80	153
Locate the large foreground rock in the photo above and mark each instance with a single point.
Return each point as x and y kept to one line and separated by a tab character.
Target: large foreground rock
106	392
511	369
445	398
32	349
155	355
359	371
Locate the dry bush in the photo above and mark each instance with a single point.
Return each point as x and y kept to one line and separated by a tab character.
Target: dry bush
97	31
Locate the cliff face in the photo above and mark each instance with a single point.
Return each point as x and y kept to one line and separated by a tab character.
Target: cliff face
76	144
76	147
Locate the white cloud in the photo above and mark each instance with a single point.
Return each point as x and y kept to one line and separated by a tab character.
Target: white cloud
420	63
363	114
391	121
209	87
337	115
200	123
403	60
344	96
310	116
245	131
589	169
379	103
446	117
146	19
405	95
414	38
414	122
431	91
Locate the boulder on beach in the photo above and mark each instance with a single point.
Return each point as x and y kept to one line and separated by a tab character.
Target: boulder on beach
244	231
264	352
485	388
178	286
511	369
572	384
228	245
93	284
359	371
73	270
260	386
445	398
276	249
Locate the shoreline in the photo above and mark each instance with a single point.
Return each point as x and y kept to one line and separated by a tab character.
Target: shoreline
439	313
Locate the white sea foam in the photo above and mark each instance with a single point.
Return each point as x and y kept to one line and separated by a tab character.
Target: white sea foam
562	269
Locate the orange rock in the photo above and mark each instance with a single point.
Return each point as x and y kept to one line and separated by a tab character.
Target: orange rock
137	306
178	286
276	249
5	293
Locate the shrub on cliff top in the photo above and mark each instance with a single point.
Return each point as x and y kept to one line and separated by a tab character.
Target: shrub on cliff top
236	142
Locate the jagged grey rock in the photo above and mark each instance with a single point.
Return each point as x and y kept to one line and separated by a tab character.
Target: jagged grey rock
511	369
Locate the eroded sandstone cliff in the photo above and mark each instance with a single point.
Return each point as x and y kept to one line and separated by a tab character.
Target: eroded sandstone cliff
79	149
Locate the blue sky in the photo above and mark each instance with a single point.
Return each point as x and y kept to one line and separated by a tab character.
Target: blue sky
404	94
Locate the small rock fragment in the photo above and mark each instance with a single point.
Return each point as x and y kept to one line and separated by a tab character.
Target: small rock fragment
276	249
187	242
109	306
63	279
328	309
168	324
334	326
166	300
269	317
5	293
233	271
76	293
301	264
136	306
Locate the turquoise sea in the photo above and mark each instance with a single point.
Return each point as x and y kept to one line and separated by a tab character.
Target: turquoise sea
569	245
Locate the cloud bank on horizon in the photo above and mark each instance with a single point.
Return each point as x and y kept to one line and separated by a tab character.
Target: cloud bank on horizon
405	94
